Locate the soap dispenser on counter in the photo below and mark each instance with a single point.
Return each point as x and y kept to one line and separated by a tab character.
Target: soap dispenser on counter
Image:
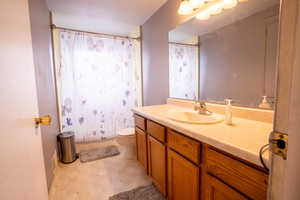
265	104
228	111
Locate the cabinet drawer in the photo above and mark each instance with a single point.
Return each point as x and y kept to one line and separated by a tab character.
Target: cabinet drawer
185	146
246	179
156	130
140	122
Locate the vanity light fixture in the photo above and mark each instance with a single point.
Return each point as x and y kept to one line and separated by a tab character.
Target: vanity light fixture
206	8
215	8
230	4
185	8
196	3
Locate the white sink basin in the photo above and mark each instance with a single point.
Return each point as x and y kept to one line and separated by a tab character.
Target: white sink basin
191	117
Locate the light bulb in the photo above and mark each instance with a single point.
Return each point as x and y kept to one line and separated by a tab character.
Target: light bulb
230	4
185	8
216	9
196	3
204	15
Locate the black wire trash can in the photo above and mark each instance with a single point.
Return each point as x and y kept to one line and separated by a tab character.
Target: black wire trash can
66	147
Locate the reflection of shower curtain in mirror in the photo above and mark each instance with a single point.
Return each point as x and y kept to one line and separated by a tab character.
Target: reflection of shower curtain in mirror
183	71
97	80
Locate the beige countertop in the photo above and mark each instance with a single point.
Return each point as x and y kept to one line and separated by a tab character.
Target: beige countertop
243	139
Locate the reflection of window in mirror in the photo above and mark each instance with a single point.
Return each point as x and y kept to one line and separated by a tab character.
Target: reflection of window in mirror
183	67
183	64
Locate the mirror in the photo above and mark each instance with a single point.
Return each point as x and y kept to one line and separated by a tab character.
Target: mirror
237	54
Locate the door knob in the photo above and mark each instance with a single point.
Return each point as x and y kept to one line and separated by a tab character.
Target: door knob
45	120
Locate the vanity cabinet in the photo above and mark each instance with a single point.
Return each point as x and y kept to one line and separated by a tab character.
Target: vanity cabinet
237	174
185	168
157	157
140	122
217	190
183	178
141	141
157	164
141	144
187	147
157	131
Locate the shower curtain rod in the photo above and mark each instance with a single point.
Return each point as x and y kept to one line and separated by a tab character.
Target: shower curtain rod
53	26
196	45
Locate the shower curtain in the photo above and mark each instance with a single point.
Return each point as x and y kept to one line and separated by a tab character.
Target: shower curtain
183	71
98	84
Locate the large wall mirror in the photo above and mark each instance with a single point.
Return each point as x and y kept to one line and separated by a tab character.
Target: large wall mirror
230	53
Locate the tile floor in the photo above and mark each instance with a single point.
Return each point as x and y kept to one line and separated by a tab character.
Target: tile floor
98	180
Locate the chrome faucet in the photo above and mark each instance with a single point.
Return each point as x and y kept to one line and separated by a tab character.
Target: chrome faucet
200	106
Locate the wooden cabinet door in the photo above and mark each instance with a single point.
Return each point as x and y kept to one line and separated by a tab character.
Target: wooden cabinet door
183	178
238	175
141	143
157	163
216	190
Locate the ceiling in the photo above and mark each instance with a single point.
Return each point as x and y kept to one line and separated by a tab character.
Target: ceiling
122	17
186	33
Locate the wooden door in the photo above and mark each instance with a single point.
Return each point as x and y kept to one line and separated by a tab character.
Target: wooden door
183	178
216	190
157	163
141	143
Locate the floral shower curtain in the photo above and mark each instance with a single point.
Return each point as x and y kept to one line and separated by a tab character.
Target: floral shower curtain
97	80
183	71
